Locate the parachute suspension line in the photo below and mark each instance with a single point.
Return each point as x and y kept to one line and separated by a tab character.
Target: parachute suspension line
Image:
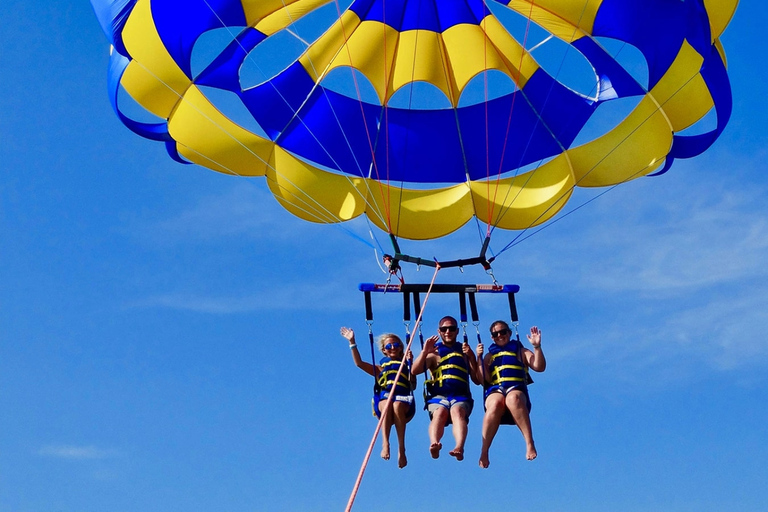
518	240
516	73
334	219
325	93
503	211
314	209
296	111
454	94
370	207
631	177
367	457
560	67
407	132
393	261
383	216
489	207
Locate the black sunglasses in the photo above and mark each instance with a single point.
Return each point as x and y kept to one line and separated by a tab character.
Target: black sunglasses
392	346
449	328
500	332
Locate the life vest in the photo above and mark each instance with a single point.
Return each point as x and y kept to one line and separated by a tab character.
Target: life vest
389	368
451	377
506	369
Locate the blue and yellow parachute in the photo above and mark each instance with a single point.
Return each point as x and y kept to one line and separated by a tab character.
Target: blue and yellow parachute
420	172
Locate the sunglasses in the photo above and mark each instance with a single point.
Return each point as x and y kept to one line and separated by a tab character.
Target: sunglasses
392	346
449	328
500	332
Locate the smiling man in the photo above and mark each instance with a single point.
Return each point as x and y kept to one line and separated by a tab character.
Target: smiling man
449	400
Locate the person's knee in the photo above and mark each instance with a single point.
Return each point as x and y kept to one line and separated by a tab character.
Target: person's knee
440	415
401	408
494	403
516	400
458	412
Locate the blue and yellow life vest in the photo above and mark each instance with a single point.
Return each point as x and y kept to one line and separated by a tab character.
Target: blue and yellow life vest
506	369
451	377
389	368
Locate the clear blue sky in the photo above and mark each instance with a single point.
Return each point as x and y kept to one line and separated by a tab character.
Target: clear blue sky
160	323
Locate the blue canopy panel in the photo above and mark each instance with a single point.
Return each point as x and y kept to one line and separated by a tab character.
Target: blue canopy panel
274	103
112	15
715	75
334	131
153	131
698	31
420	146
615	81
180	22
224	71
655	27
436	16
423	146
537	128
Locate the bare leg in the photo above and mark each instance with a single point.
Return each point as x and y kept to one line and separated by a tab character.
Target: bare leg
401	411
518	406
436	429
385	428
459	420
494	410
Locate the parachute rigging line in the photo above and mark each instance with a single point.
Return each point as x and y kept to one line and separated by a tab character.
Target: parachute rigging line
295	113
503	210
385	218
320	212
629	178
516	74
310	133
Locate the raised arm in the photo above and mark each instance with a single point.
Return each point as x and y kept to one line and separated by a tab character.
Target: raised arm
421	364
535	359
349	334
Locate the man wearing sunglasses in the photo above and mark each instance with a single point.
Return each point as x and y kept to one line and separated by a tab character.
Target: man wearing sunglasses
449	399
505	370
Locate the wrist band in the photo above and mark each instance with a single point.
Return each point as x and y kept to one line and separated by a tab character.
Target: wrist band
353	345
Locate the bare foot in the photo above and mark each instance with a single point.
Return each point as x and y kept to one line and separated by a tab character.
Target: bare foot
484	462
402	461
530	452
385	451
434	450
458	453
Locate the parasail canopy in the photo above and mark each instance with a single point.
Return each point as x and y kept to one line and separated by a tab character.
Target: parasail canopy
502	139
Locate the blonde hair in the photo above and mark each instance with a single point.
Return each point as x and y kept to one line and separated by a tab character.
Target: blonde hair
382	340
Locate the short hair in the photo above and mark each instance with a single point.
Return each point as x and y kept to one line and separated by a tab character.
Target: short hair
497	322
382	339
448	318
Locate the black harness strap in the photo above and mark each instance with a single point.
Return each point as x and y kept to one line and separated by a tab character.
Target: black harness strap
512	307
368	306
369	321
463	313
